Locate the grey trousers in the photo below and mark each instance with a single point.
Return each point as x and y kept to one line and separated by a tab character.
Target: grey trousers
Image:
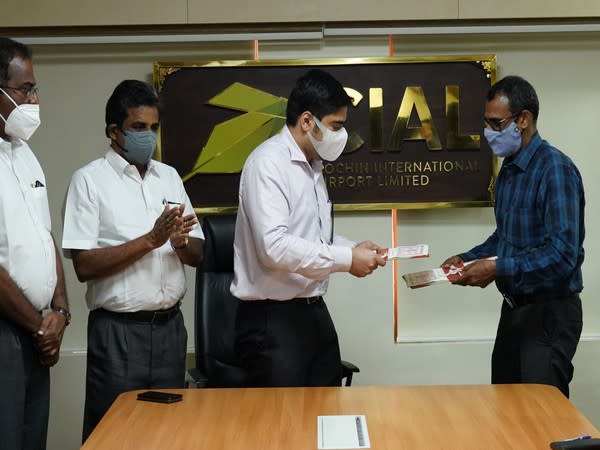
125	355
24	391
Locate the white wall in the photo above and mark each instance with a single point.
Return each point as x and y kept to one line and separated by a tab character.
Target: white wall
75	82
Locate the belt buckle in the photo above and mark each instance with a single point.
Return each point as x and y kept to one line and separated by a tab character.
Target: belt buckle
155	317
509	300
311	300
163	316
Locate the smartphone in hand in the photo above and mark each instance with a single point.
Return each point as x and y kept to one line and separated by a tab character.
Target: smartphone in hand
160	397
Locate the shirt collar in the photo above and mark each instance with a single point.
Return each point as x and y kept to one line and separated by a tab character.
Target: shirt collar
523	159
5	146
12	144
122	166
116	161
296	154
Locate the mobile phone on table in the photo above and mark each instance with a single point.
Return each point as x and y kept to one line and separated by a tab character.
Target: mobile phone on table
160	397
578	443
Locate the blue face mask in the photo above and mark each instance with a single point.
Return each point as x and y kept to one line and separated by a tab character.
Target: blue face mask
506	142
139	146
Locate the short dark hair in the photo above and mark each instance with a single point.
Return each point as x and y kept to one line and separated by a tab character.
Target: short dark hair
520	94
128	94
318	92
9	49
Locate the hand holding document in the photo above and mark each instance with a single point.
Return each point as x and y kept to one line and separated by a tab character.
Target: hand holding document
433	276
426	277
408	252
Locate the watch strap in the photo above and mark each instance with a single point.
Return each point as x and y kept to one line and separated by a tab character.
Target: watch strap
65	313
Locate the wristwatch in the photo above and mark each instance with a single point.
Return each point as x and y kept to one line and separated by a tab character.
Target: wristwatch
65	313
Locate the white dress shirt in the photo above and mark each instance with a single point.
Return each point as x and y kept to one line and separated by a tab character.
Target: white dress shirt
109	204
284	243
27	250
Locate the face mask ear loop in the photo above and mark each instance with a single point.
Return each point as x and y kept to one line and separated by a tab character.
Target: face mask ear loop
117	142
316	121
11	99
322	128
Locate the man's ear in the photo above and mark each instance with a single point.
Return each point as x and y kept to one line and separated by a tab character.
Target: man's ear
111	131
525	119
305	120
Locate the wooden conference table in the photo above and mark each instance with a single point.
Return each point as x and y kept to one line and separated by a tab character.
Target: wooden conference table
398	417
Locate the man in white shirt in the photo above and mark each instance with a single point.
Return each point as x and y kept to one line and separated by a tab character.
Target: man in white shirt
31	272
285	249
129	228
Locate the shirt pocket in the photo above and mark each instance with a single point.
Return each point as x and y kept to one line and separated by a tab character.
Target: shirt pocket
122	221
39	196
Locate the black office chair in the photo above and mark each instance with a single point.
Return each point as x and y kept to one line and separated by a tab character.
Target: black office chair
216	362
217	365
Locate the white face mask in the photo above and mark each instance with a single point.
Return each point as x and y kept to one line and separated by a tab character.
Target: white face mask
23	120
331	146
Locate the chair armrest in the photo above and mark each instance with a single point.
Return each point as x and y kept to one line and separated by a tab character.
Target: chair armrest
196	376
349	367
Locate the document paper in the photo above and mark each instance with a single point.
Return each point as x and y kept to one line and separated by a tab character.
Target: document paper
409	251
342	432
432	276
425	278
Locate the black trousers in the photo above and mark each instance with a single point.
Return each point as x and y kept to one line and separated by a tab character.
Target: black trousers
125	355
24	391
536	342
288	343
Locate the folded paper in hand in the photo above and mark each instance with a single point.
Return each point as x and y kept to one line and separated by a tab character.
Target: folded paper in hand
432	276
409	251
426	277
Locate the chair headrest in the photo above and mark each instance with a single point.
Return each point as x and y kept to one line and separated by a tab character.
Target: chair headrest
219	233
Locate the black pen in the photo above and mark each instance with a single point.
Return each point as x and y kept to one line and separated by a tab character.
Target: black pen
168	202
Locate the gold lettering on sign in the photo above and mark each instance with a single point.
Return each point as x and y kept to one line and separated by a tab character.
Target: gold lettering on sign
414	98
350	181
365	174
454	140
402	180
376	119
354	95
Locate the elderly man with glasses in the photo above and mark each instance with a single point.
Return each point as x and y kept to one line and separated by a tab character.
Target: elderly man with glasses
31	273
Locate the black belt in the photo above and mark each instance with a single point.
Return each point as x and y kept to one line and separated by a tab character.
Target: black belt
514	301
307	300
302	300
158	316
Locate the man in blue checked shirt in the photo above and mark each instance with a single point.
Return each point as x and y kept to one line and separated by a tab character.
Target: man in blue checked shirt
538	243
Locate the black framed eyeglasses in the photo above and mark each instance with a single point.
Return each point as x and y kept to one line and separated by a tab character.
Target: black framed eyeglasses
498	124
27	91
